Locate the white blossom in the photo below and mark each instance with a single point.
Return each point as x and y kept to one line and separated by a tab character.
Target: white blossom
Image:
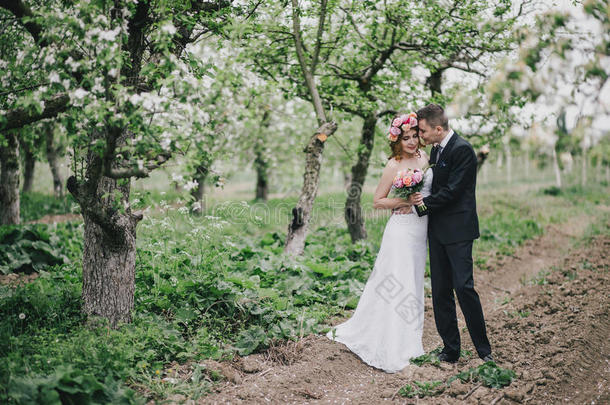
191	184
54	77
165	142
49	59
110	35
135	99
168	28
80	93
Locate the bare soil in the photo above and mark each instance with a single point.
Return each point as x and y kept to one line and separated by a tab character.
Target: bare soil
53	219
551	328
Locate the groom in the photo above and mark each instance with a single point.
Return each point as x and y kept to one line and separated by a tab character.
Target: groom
452	226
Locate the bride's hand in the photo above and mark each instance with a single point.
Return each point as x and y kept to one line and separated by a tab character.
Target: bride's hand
415	199
402	210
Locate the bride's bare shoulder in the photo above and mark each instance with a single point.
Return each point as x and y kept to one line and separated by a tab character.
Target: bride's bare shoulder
392	162
424	158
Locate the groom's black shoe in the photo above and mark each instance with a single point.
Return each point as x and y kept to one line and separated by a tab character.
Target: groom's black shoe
487	358
447	358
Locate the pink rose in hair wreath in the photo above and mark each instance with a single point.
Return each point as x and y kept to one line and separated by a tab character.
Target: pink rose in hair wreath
397	122
395	131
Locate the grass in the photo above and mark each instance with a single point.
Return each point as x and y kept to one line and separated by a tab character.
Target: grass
488	374
35	205
215	285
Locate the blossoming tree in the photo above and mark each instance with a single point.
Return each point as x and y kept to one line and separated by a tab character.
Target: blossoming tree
117	76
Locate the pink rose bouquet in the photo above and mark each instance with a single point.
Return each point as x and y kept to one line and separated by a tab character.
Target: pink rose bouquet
407	182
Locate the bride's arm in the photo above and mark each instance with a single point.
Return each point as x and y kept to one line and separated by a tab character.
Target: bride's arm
381	200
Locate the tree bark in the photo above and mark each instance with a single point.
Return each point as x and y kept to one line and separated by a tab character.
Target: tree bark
201	173
28	167
261	165
353	208
262	184
109	257
556	168
9	181
509	164
52	157
482	156
434	82
301	214
584	166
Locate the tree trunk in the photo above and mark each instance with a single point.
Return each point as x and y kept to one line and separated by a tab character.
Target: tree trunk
347	179
262	185
482	156
598	169
509	165
109	258
260	162
556	169
201	173
9	181
297	229
584	166
52	157
301	214
28	168
434	82
353	208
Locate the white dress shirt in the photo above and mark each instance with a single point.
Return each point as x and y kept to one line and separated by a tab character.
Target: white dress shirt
444	142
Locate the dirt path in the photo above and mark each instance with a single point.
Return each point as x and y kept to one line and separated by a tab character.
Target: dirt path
553	335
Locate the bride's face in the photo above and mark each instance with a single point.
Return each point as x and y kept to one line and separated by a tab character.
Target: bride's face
410	141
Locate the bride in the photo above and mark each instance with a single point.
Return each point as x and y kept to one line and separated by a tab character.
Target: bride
386	328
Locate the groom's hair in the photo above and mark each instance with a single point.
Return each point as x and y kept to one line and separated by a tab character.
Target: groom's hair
434	115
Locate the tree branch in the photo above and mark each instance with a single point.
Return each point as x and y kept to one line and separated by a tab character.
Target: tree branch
138	172
21	11
21	117
309	78
316	52
353	23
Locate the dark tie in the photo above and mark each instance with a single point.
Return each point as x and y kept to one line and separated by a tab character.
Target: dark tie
435	152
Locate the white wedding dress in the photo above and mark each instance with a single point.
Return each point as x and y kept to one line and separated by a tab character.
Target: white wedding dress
386	328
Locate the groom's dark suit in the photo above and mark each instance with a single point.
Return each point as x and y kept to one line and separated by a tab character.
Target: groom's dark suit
452	226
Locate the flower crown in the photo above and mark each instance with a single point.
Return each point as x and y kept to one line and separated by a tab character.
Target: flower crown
404	122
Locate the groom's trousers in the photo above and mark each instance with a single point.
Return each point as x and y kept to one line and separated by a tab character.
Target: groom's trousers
451	270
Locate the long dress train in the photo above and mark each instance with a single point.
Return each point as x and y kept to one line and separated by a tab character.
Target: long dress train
386	328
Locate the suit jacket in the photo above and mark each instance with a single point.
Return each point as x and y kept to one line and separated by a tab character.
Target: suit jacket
452	204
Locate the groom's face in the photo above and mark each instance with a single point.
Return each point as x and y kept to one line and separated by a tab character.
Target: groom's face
428	133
